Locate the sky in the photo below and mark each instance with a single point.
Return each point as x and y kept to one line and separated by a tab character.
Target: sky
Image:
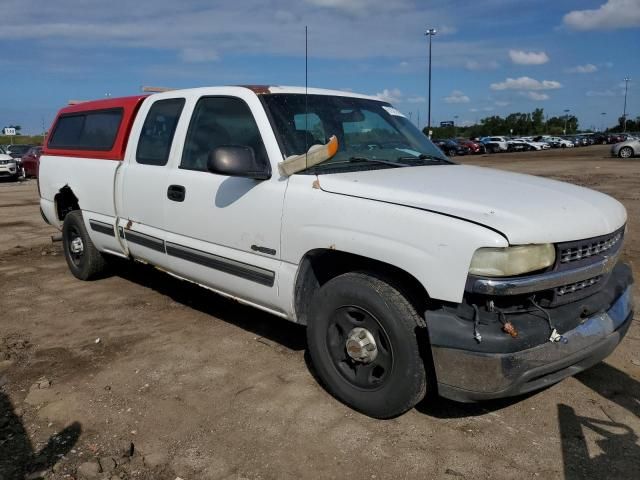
489	57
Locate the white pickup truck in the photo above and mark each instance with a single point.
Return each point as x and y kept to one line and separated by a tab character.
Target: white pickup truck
412	274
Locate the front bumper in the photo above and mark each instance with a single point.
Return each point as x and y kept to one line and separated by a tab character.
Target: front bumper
8	170
502	366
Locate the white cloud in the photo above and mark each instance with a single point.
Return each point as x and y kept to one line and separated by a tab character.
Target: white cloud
447	30
535	95
477	65
392	95
526	83
457	97
416	99
197	55
601	93
473	109
587	68
500	103
521	57
612	15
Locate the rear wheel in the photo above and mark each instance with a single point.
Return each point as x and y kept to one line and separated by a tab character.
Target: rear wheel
625	152
362	341
83	258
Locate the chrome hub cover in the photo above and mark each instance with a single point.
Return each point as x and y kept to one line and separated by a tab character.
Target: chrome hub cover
361	346
76	245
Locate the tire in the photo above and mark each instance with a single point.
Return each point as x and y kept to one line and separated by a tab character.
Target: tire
625	152
391	382
83	258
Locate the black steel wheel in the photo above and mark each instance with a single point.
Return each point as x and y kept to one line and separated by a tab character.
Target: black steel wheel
363	345
83	258
359	347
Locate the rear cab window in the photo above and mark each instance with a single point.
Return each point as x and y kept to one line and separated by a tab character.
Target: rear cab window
95	130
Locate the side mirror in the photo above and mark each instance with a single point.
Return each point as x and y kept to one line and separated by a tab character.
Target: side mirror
237	161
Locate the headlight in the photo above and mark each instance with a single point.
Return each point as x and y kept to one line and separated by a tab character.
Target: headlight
508	261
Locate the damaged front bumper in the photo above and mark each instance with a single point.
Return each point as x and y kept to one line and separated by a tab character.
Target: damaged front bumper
502	365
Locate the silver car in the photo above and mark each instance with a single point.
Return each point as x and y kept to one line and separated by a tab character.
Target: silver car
627	149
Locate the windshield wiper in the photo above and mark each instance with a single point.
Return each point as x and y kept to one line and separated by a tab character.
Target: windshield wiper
377	160
425	156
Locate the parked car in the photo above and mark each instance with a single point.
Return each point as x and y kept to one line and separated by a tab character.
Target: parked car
495	144
601	138
31	161
9	167
502	283
627	149
518	145
577	142
17	151
473	146
536	145
451	148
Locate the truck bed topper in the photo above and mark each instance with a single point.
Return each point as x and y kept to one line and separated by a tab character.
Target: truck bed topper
93	144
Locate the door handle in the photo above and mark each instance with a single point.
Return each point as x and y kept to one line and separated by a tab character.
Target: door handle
176	193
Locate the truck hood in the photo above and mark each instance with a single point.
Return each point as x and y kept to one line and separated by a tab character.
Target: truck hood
524	208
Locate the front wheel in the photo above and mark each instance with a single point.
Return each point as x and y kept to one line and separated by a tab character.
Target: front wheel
363	345
625	152
83	258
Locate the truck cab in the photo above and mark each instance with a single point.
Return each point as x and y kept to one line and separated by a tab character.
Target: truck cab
332	210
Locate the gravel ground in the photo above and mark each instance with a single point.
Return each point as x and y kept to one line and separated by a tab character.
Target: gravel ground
139	375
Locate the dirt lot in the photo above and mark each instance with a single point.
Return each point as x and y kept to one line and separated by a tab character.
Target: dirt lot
204	388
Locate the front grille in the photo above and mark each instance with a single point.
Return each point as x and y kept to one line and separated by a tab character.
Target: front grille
580	253
574	287
590	248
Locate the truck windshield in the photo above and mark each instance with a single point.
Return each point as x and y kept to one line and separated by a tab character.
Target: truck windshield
371	134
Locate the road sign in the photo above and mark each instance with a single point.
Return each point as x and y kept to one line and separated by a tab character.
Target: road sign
448	123
9	131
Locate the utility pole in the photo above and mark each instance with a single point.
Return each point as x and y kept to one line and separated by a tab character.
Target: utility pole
603	114
430	33
624	112
566	117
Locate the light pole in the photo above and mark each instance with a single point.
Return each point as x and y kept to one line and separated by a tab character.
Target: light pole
603	120
455	125
566	117
624	112
430	33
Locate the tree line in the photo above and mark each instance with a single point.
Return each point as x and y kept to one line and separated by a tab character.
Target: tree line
524	124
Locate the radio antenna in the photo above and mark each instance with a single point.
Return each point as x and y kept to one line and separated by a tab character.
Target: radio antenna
306	87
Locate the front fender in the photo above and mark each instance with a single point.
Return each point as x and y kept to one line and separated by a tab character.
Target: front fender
435	249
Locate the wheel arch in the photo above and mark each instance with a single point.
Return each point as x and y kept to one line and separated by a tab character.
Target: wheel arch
65	201
320	265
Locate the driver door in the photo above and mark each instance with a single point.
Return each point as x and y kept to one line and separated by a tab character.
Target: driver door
224	232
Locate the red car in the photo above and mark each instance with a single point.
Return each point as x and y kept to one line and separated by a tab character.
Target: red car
474	147
31	161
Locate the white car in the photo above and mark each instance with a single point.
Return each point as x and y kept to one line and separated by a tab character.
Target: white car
495	144
410	272
534	145
561	142
9	167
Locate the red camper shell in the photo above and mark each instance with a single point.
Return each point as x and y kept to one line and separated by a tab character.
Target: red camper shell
94	129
